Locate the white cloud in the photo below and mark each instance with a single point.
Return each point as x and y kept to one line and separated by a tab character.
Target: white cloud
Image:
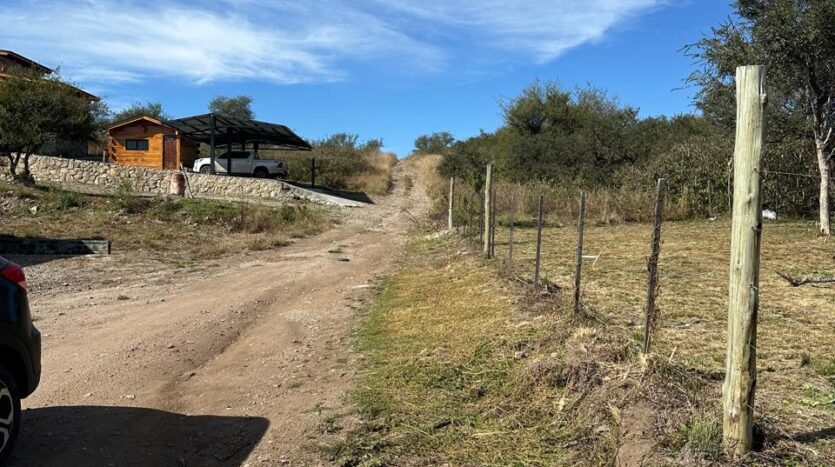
542	29
284	41
203	43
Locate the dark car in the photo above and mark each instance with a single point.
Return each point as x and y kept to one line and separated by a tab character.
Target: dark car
20	352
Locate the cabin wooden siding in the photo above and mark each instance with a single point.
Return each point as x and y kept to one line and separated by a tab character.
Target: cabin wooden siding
187	150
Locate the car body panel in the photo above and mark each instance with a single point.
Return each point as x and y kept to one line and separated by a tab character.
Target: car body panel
243	163
18	335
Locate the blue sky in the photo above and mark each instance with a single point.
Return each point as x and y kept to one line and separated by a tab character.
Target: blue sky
391	69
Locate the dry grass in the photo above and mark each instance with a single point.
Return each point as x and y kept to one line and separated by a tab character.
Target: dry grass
376	179
796	390
480	371
181	230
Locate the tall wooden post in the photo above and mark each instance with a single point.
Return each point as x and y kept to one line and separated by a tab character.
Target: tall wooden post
578	264
510	234
650	314
488	190
743	293
538	241
313	172
450	225
493	223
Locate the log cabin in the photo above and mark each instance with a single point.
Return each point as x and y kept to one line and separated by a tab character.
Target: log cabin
148	142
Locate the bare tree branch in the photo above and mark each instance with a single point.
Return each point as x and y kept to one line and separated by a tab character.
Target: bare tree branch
798	282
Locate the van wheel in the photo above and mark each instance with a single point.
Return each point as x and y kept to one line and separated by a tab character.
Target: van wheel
9	413
205	169
261	172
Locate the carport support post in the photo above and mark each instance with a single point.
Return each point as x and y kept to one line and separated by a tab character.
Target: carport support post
212	128
228	151
743	291
488	190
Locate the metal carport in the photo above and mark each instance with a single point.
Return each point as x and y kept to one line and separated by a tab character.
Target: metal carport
215	129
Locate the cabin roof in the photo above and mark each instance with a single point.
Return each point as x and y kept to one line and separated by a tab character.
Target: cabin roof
130	120
237	130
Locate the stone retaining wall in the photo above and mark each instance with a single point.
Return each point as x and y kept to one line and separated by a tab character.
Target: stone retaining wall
146	181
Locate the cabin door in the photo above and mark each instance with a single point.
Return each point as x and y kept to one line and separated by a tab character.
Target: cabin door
169	152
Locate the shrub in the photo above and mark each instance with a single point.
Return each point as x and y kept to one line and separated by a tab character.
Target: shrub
57	200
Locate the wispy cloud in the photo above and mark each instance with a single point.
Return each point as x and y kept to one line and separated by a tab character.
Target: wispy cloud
543	30
282	41
123	40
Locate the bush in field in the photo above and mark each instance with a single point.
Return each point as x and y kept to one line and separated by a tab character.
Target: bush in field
556	143
342	163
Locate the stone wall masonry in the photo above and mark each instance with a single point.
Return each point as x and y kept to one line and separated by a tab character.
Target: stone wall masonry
107	177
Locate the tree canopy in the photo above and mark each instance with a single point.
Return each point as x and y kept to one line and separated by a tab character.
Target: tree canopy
436	143
236	106
795	40
38	110
138	109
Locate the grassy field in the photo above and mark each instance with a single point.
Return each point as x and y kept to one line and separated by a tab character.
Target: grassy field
179	229
467	366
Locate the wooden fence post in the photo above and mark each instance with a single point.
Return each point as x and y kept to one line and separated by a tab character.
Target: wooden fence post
510	234
493	223
488	189
650	312
450	225
578	265
743	293
538	241
312	172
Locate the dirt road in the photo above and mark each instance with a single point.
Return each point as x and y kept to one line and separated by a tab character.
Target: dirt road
234	363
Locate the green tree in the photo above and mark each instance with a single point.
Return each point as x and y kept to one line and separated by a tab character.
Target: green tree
436	143
577	137
237	106
37	110
372	145
139	109
795	39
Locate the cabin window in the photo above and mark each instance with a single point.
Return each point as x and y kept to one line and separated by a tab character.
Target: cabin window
136	144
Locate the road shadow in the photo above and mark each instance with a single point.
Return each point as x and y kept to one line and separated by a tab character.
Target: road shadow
812	436
12	244
133	436
357	196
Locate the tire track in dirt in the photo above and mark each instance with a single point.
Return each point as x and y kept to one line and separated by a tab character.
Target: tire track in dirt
230	368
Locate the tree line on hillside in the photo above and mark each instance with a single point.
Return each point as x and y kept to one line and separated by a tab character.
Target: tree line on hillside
587	139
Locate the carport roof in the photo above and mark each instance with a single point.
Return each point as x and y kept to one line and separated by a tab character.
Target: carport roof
238	130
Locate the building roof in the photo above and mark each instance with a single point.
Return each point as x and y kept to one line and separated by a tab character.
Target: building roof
31	64
238	130
23	61
130	120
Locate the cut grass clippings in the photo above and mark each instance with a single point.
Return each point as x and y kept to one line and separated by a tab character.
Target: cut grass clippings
444	381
